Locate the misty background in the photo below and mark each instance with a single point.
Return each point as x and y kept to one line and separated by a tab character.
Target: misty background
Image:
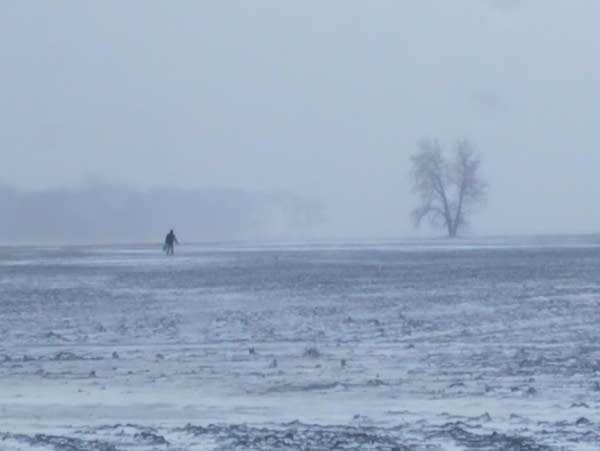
275	120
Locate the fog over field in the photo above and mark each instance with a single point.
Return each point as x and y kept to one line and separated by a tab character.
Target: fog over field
324	101
293	146
99	212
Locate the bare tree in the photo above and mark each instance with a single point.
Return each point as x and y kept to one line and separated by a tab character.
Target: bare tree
449	189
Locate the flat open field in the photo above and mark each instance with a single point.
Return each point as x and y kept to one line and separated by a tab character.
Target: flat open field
413	345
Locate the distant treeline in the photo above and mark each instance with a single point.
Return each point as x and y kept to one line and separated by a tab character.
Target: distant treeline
102	212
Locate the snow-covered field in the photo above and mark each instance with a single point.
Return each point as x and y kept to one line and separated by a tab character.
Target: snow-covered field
416	345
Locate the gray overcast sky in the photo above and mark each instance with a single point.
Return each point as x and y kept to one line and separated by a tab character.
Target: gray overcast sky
325	98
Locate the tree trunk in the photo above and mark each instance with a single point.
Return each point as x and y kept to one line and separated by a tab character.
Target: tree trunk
452	229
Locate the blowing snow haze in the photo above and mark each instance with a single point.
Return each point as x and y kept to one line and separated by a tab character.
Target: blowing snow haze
321	101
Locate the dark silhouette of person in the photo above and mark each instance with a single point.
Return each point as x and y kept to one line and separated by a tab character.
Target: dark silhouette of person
170	241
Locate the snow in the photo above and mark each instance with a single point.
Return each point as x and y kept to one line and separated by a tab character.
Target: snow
483	344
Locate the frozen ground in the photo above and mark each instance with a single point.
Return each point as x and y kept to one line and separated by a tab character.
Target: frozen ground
474	345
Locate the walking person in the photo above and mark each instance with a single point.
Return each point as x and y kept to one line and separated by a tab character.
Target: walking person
170	241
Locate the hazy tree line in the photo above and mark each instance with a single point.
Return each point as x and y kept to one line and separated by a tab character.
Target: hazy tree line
449	188
102	212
